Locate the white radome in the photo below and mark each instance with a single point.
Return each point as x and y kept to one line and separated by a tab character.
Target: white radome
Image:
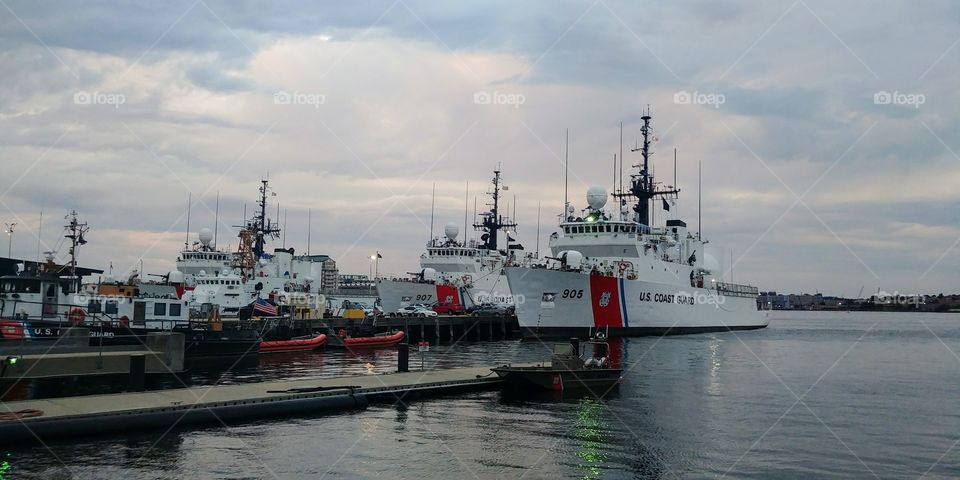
596	197
451	231
429	274
206	236
571	258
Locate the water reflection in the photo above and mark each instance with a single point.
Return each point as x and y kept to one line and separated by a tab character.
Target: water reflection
589	434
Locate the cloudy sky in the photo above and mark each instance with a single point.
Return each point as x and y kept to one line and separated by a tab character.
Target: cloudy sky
827	130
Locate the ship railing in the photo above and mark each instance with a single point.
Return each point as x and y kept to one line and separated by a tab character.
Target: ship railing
60	314
737	290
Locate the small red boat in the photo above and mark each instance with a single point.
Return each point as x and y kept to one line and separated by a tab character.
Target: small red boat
293	345
369	342
12	330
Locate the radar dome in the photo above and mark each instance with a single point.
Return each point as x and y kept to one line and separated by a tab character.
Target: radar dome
206	236
571	258
175	276
596	197
451	231
428	274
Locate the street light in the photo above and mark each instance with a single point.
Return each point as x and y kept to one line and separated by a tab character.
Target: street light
9	232
376	261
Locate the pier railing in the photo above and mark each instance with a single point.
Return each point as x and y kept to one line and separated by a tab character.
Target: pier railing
737	290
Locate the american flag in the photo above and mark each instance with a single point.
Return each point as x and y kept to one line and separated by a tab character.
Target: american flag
264	307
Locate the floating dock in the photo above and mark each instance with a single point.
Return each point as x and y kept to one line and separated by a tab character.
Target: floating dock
60	418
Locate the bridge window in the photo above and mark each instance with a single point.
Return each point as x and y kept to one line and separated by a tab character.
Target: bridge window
159	309
174	309
93	306
110	307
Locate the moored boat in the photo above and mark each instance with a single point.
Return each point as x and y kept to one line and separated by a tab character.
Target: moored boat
371	341
293	344
567	370
613	269
462	273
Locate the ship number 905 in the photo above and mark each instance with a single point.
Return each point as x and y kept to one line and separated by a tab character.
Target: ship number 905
571	293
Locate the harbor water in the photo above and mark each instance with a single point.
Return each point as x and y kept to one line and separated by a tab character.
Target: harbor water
814	395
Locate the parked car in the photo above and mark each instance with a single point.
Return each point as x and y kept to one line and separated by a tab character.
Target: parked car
425	312
449	309
416	311
491	310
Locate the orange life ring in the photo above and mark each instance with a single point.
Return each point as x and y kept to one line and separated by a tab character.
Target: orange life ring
124	321
76	316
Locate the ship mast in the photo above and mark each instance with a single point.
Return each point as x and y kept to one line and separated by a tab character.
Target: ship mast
75	233
262	227
642	185
492	221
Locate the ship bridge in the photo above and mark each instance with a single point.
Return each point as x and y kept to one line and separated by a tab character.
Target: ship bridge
601	238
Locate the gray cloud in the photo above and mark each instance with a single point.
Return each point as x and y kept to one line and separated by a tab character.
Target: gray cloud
398	115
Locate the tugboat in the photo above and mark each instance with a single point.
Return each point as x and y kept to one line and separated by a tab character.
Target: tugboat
569	369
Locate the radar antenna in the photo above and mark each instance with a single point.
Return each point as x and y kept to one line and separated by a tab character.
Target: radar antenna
492	222
642	186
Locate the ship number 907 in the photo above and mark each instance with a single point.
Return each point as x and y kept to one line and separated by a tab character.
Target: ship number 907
421	298
571	293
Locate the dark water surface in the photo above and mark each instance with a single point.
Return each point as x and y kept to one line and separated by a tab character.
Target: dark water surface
815	395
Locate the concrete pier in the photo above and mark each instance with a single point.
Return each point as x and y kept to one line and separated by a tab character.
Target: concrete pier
161	409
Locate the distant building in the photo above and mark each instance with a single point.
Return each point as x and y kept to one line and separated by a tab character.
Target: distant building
329	275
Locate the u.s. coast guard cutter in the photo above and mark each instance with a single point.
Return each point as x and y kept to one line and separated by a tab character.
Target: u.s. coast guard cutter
618	273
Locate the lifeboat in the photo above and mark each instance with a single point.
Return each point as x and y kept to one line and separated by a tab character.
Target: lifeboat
12	330
293	345
375	341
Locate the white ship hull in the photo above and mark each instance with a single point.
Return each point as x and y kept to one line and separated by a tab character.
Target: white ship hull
395	294
489	288
562	303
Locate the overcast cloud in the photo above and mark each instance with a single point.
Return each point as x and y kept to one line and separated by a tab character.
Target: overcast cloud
813	175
